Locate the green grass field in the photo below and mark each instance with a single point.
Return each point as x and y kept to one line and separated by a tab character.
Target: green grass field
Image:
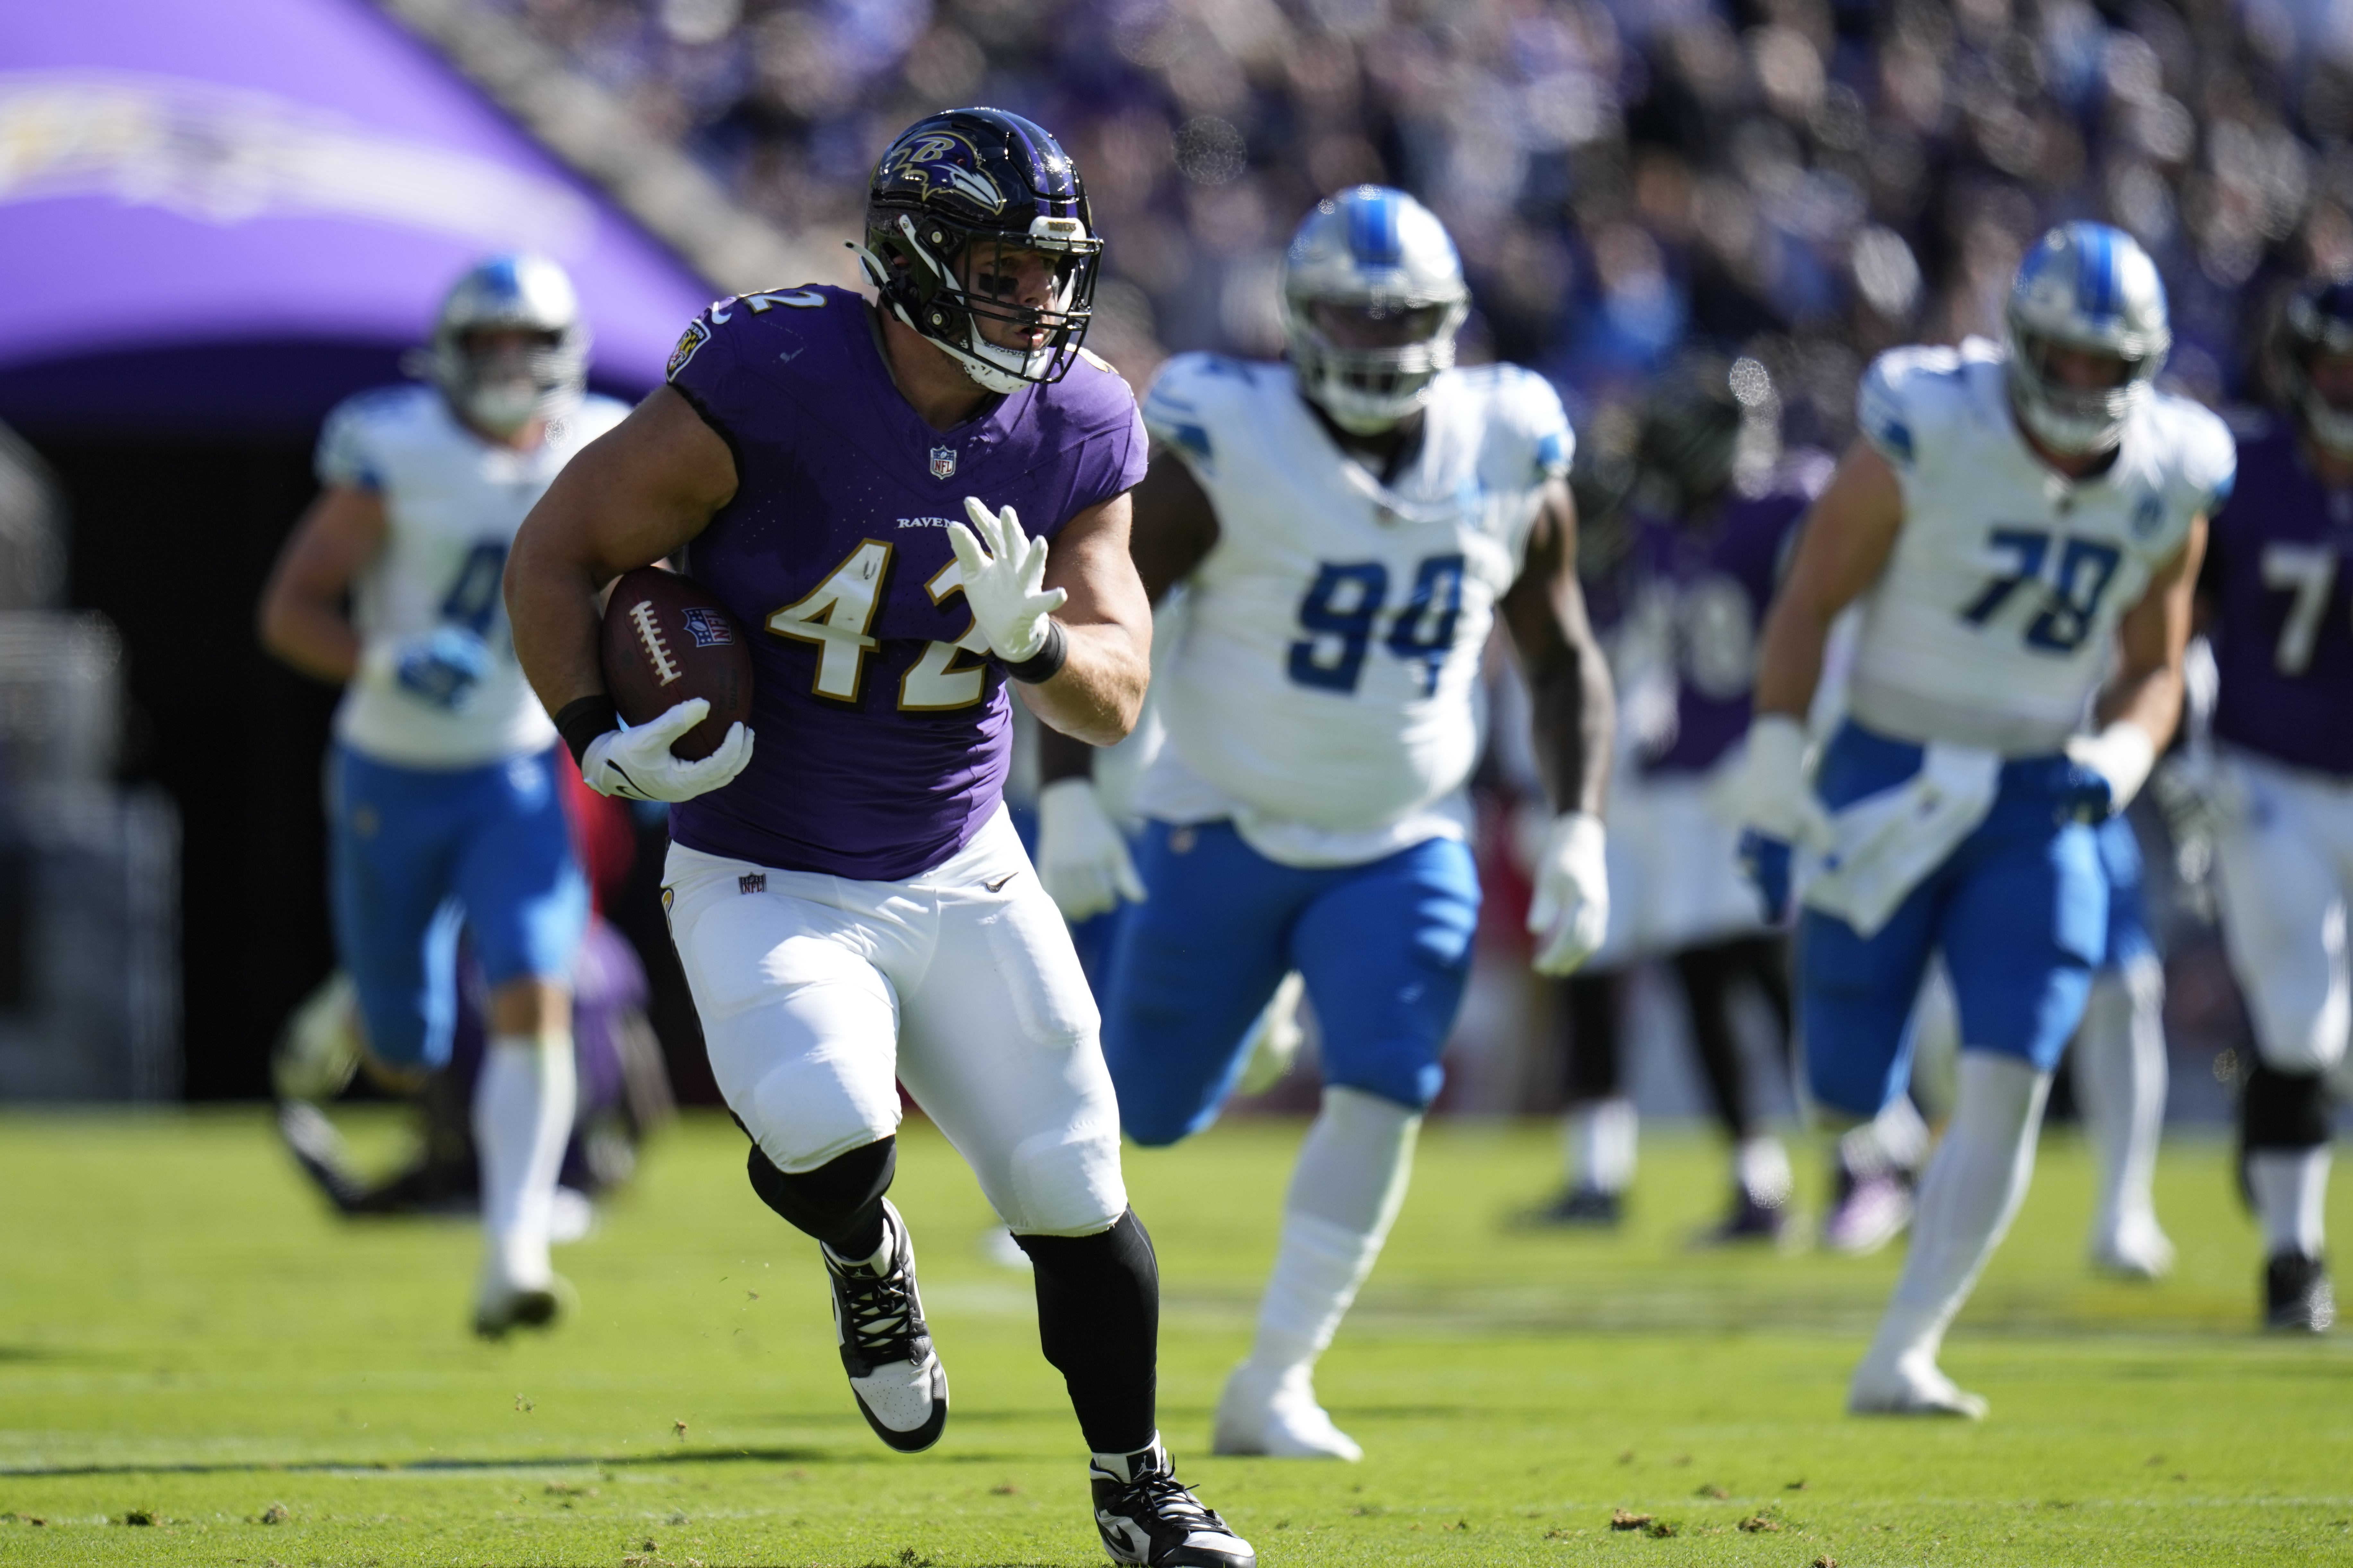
187	1339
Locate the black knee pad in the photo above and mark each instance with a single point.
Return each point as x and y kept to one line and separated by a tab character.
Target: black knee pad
2283	1109
840	1203
1098	1324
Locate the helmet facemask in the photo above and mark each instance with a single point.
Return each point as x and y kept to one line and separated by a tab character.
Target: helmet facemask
2073	421
508	346
2315	324
951	282
1365	384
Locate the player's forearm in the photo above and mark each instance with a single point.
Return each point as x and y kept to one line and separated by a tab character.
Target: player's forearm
1573	712
2149	700
552	608
314	637
1789	655
1095	697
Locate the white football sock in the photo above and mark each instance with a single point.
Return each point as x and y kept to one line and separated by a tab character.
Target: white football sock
1345	1194
1967	1198
522	1117
1894	1140
2291	1186
2120	1081
1761	1166
1600	1134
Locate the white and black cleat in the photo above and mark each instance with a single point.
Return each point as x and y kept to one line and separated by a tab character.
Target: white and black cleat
1148	1518
501	1306
2297	1297
894	1374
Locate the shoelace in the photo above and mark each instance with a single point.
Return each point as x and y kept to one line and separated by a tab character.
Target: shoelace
881	1315
1161	1496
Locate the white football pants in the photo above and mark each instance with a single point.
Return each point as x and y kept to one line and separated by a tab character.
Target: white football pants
2283	851
819	995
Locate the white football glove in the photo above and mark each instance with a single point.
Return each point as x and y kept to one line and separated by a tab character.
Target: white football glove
1082	858
1770	793
1571	912
1004	573
2121	756
637	763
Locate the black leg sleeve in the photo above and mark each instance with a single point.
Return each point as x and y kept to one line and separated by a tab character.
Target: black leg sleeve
840	1203
1098	1324
1706	973
1587	1005
1767	961
2283	1110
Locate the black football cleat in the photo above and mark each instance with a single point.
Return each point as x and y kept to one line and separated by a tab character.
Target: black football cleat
2297	1297
1148	1518
1590	1207
895	1375
1750	1220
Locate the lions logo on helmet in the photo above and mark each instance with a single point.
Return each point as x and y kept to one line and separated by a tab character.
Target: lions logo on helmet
2091	287
1379	257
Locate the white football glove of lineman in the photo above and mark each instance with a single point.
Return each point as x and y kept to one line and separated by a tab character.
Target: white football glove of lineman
637	763
1771	793
1004	573
1082	858
1571	912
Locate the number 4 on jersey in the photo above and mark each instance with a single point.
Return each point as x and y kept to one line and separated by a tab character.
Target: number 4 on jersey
1347	598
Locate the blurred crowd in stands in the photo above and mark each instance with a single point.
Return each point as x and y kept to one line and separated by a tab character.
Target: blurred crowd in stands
1805	181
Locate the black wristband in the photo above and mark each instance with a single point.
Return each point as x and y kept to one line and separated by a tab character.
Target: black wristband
1047	661
583	719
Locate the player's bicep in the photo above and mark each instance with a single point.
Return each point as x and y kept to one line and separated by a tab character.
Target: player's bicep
1543	609
2153	633
1175	526
331	545
1849	534
636	494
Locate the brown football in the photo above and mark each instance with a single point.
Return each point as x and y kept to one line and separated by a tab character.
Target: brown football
668	641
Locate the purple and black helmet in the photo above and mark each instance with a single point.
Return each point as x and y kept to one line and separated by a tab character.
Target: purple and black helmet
953	192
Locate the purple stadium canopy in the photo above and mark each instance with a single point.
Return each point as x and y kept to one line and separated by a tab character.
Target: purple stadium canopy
223	215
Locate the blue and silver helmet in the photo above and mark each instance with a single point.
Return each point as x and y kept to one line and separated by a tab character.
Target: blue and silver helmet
2318	319
955	189
2085	286
501	389
1377	253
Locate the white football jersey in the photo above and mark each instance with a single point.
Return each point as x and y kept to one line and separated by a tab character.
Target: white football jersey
1321	690
1993	622
452	502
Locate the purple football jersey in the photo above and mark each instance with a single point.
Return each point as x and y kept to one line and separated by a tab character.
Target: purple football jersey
2282	608
883	736
1720	576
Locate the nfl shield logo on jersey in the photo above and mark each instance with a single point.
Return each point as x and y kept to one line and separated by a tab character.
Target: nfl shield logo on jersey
943	462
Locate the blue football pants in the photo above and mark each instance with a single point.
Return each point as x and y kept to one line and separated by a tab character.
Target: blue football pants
1385	948
415	855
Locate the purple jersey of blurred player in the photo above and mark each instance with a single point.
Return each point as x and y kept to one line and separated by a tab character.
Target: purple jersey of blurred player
1718	575
881	744
2281	604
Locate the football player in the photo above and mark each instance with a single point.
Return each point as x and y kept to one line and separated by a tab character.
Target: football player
2023	527
1346	526
444	801
2275	596
1703	560
848	899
